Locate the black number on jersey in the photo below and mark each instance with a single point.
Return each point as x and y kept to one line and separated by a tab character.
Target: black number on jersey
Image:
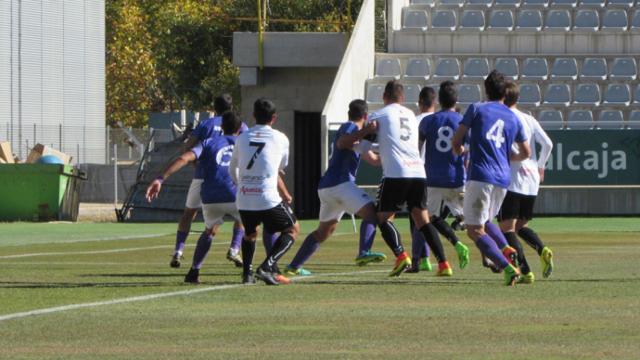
403	125
259	146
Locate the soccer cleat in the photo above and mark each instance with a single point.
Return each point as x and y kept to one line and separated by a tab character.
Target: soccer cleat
403	261
511	275
282	279
444	269
511	254
235	258
489	264
546	258
463	254
414	268
425	264
370	257
296	272
266	276
458	224
527	278
175	260
192	276
248	279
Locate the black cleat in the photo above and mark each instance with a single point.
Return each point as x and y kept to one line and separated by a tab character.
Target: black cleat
414	268
248	279
266	276
234	258
175	261
192	276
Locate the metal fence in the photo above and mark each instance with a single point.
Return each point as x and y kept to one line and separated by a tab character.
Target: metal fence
86	145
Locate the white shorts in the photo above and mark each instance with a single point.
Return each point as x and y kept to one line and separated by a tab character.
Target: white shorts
193	196
482	202
438	198
336	200
214	213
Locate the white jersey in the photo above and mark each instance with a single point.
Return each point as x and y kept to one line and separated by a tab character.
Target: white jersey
424	146
259	155
525	178
398	140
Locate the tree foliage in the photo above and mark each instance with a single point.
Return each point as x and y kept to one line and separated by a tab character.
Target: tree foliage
176	54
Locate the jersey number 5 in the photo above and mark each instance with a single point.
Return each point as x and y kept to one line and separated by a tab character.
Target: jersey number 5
403	125
495	133
259	146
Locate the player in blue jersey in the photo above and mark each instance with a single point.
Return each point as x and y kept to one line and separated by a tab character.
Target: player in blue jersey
218	193
206	129
493	128
446	173
339	193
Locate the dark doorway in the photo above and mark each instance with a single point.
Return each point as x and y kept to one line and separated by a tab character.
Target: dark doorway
307	164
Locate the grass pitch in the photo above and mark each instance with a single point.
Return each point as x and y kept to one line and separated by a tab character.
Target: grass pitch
587	309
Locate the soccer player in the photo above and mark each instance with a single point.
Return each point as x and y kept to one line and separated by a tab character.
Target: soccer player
206	129
526	176
403	178
339	193
260	155
217	191
493	130
445	170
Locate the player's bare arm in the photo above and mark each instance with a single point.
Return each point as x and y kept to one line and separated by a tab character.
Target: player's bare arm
154	188
283	191
457	142
348	140
372	158
524	152
191	142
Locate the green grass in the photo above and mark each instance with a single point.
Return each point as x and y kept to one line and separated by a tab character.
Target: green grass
587	309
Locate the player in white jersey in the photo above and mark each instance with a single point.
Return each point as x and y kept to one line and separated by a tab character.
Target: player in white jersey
259	157
403	177
526	176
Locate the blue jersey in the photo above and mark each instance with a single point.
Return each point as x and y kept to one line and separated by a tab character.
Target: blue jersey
207	129
444	168
213	157
343	164
494	129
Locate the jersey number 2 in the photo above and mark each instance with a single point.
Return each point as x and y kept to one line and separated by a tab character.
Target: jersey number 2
259	146
495	133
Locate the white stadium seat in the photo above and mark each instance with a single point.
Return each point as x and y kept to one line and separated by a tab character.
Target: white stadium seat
418	68
388	68
416	19
447	68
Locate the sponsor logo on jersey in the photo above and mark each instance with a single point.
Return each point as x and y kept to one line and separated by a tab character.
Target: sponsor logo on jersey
251	190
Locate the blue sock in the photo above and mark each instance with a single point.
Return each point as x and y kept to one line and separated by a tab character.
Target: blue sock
309	246
181	239
236	239
418	245
367	234
202	249
496	234
489	248
268	240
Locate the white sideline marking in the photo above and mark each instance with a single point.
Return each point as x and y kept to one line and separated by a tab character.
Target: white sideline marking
154	296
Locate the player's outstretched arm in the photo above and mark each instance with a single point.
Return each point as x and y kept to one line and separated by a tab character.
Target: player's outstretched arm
156	185
524	152
546	145
346	141
457	142
372	158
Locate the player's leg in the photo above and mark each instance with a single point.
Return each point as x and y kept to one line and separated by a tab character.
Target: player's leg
507	217
250	221
532	238
419	251
268	239
496	199
278	219
417	205
233	254
192	204
309	246
448	199
391	195
477	202
367	233
213	216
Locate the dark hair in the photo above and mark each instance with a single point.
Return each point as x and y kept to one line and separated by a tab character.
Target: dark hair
427	97
357	109
263	111
231	123
393	91
222	104
494	86
511	93
447	95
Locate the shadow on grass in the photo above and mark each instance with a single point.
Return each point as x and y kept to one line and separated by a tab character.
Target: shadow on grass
448	282
44	285
179	274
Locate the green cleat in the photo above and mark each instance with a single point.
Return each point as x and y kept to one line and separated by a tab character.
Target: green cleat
511	275
296	272
403	262
463	254
546	258
370	257
425	264
527	278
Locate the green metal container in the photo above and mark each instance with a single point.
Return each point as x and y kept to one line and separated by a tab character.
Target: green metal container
39	192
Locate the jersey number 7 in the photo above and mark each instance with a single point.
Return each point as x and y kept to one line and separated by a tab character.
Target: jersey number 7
259	146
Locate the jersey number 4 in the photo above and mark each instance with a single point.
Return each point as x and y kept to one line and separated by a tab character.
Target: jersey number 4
259	146
495	133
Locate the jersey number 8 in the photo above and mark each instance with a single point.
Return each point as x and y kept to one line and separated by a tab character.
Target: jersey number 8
443	142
